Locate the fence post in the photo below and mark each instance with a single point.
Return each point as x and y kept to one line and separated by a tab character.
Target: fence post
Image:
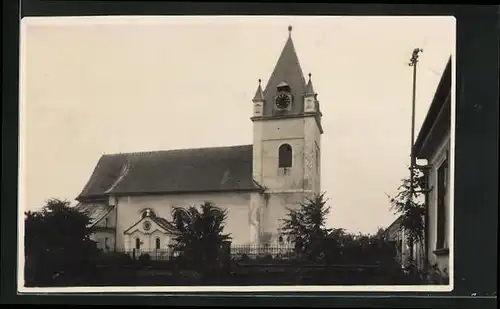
226	257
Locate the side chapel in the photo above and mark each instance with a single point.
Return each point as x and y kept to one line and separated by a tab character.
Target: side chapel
129	195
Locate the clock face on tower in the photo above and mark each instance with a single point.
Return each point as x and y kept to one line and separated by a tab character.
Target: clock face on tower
283	100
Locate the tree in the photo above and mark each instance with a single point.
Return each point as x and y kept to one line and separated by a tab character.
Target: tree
380	233
57	241
407	202
305	227
199	235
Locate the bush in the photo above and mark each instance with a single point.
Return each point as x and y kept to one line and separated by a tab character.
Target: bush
144	259
113	259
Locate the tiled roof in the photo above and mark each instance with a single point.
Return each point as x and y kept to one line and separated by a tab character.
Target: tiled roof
164	223
95	211
440	108
173	171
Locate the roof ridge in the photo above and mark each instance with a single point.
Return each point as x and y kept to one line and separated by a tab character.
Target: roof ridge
174	150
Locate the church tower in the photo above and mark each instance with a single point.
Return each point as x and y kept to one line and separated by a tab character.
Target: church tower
286	139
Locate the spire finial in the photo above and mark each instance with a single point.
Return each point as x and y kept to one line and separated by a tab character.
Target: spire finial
310	76
290	30
260	81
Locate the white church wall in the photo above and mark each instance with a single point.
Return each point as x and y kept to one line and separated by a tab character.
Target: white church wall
312	162
257	151
283	128
285	187
147	241
237	204
276	210
275	178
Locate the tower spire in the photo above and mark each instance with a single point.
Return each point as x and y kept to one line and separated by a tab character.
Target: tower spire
259	94
309	87
287	70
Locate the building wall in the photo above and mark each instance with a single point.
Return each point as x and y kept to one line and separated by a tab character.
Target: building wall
148	240
100	238
129	211
104	229
269	135
312	155
435	161
275	209
286	187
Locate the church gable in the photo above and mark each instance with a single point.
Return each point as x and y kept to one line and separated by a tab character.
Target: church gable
175	171
150	225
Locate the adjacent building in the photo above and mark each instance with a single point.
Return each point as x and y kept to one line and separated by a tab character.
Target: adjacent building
433	146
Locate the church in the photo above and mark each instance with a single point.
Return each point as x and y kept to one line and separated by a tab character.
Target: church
130	196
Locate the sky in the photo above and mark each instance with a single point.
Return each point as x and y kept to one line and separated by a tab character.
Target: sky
96	85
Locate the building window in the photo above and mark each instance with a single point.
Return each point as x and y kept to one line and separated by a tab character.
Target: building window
285	156
137	243
106	246
106	223
442	184
158	243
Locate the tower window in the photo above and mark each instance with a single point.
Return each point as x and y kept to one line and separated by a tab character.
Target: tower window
285	156
283	86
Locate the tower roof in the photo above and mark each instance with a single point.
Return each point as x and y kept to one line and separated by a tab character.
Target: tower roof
259	94
287	70
309	87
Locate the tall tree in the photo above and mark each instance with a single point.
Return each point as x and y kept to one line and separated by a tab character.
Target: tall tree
57	241
409	204
305	227
199	233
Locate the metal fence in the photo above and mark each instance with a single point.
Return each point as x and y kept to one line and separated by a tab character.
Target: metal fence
251	251
155	254
236	251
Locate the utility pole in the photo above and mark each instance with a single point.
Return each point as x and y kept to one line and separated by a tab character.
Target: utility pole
413	63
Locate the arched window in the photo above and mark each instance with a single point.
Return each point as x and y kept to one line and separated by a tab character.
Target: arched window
106	222
137	243
158	243
285	156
